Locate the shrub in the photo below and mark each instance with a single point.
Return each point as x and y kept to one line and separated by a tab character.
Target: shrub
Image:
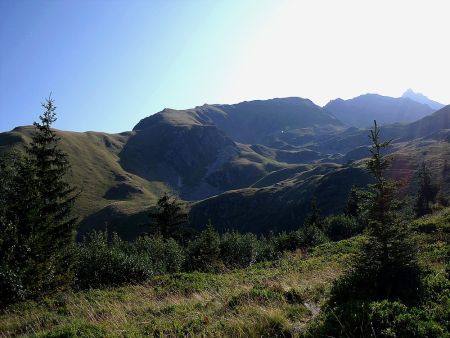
102	261
204	252
237	250
339	227
311	235
166	256
288	241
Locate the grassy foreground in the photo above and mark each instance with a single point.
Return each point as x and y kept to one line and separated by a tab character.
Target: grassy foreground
268	299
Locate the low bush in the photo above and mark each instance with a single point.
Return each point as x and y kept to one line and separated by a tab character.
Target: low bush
103	261
339	227
241	250
390	318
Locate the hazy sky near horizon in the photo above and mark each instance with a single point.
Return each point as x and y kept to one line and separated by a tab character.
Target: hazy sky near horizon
110	63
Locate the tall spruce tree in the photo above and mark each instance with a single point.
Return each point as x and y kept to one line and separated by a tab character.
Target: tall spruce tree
53	226
427	192
39	203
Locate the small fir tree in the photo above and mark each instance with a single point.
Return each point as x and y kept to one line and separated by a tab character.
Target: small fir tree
314	215
312	232
386	268
352	207
389	256
427	192
170	219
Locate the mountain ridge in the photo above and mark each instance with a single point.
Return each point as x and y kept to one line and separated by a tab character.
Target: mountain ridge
191	153
360	111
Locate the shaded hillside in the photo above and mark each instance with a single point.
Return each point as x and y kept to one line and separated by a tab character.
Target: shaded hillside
281	199
196	161
362	110
283	205
433	127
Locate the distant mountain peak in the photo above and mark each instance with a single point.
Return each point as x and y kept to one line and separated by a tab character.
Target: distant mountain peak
419	97
360	111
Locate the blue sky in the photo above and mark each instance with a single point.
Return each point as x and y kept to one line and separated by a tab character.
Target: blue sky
110	63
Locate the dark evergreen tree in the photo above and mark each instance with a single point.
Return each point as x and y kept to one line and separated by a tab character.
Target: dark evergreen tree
11	287
427	192
170	219
53	227
39	203
312	232
8	229
352	207
314	215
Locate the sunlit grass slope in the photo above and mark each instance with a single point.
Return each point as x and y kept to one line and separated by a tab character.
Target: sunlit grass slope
96	172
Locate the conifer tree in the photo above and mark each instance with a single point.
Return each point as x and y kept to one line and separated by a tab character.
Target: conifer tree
387	267
313	228
390	255
39	203
170	219
427	192
352	207
314	215
53	226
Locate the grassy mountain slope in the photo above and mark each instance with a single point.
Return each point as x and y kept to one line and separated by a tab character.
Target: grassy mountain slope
195	153
202	151
96	170
434	127
281	199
